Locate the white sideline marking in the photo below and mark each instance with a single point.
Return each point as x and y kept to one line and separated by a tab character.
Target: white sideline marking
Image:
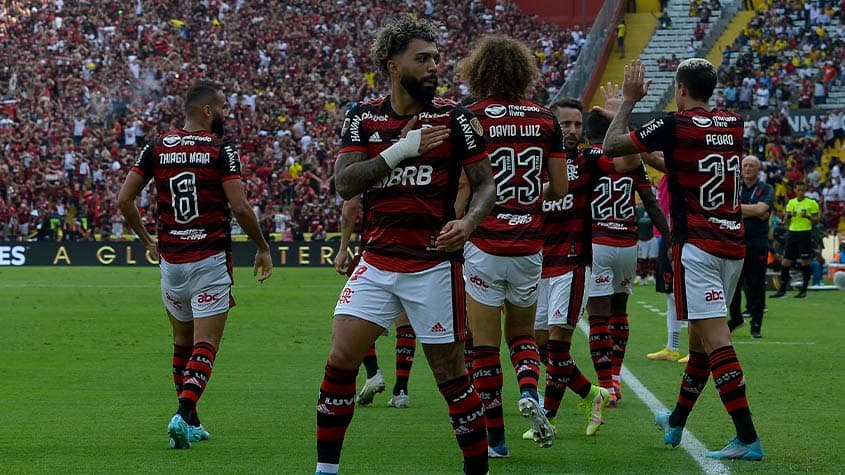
757	342
39	285
689	442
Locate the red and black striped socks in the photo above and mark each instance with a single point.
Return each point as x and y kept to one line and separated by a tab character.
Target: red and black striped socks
406	345
468	421
195	377
488	381
335	407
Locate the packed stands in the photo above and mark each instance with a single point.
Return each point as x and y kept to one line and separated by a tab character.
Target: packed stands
790	59
85	84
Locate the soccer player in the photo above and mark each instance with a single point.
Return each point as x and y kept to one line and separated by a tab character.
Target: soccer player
405	152
614	243
504	255
802	213
566	265
197	174
406	339
756	199
702	150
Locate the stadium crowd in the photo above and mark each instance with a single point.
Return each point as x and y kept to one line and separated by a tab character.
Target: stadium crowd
788	58
85	84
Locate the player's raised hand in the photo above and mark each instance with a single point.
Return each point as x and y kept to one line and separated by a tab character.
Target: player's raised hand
612	94
635	86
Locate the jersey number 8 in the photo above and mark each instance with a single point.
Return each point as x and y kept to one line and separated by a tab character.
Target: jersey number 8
183	188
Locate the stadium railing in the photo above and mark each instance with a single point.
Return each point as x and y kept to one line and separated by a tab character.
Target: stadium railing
583	80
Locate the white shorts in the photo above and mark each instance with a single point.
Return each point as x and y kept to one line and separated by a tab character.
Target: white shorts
493	279
433	299
703	282
562	299
197	289
613	270
648	249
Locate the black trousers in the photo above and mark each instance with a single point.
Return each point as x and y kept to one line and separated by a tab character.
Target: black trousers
752	281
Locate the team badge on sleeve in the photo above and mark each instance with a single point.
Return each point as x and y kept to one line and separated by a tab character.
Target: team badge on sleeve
476	126
345	127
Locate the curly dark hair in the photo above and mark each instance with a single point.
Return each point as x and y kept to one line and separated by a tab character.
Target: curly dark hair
500	67
393	38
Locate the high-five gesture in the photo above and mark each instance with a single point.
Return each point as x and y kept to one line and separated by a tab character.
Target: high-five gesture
612	94
635	86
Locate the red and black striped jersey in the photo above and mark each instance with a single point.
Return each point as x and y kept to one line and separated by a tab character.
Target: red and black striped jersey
614	207
521	137
189	169
406	210
703	153
566	222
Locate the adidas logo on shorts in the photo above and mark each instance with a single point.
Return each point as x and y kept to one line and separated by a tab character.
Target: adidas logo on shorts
438	328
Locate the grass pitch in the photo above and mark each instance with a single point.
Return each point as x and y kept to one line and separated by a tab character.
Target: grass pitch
85	387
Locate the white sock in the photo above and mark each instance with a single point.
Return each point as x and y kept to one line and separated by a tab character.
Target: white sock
673	325
327	467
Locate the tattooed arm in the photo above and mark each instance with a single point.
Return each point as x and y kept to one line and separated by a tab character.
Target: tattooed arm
354	173
455	233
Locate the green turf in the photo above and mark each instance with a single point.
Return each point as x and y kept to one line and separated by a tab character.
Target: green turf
85	387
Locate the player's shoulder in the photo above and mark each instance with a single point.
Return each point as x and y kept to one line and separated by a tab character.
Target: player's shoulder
443	103
368	105
704	118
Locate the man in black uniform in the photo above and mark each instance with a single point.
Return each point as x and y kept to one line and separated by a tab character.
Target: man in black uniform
756	198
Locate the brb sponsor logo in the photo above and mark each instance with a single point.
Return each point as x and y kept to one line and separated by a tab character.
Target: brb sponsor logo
714	296
602	279
478	282
12	255
562	204
408	176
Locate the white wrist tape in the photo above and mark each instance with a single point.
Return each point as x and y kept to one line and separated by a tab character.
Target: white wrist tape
406	147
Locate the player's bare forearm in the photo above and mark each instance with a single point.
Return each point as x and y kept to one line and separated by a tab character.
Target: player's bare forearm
349	213
462	198
654	212
126	204
654	160
249	223
480	177
354	173
617	142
